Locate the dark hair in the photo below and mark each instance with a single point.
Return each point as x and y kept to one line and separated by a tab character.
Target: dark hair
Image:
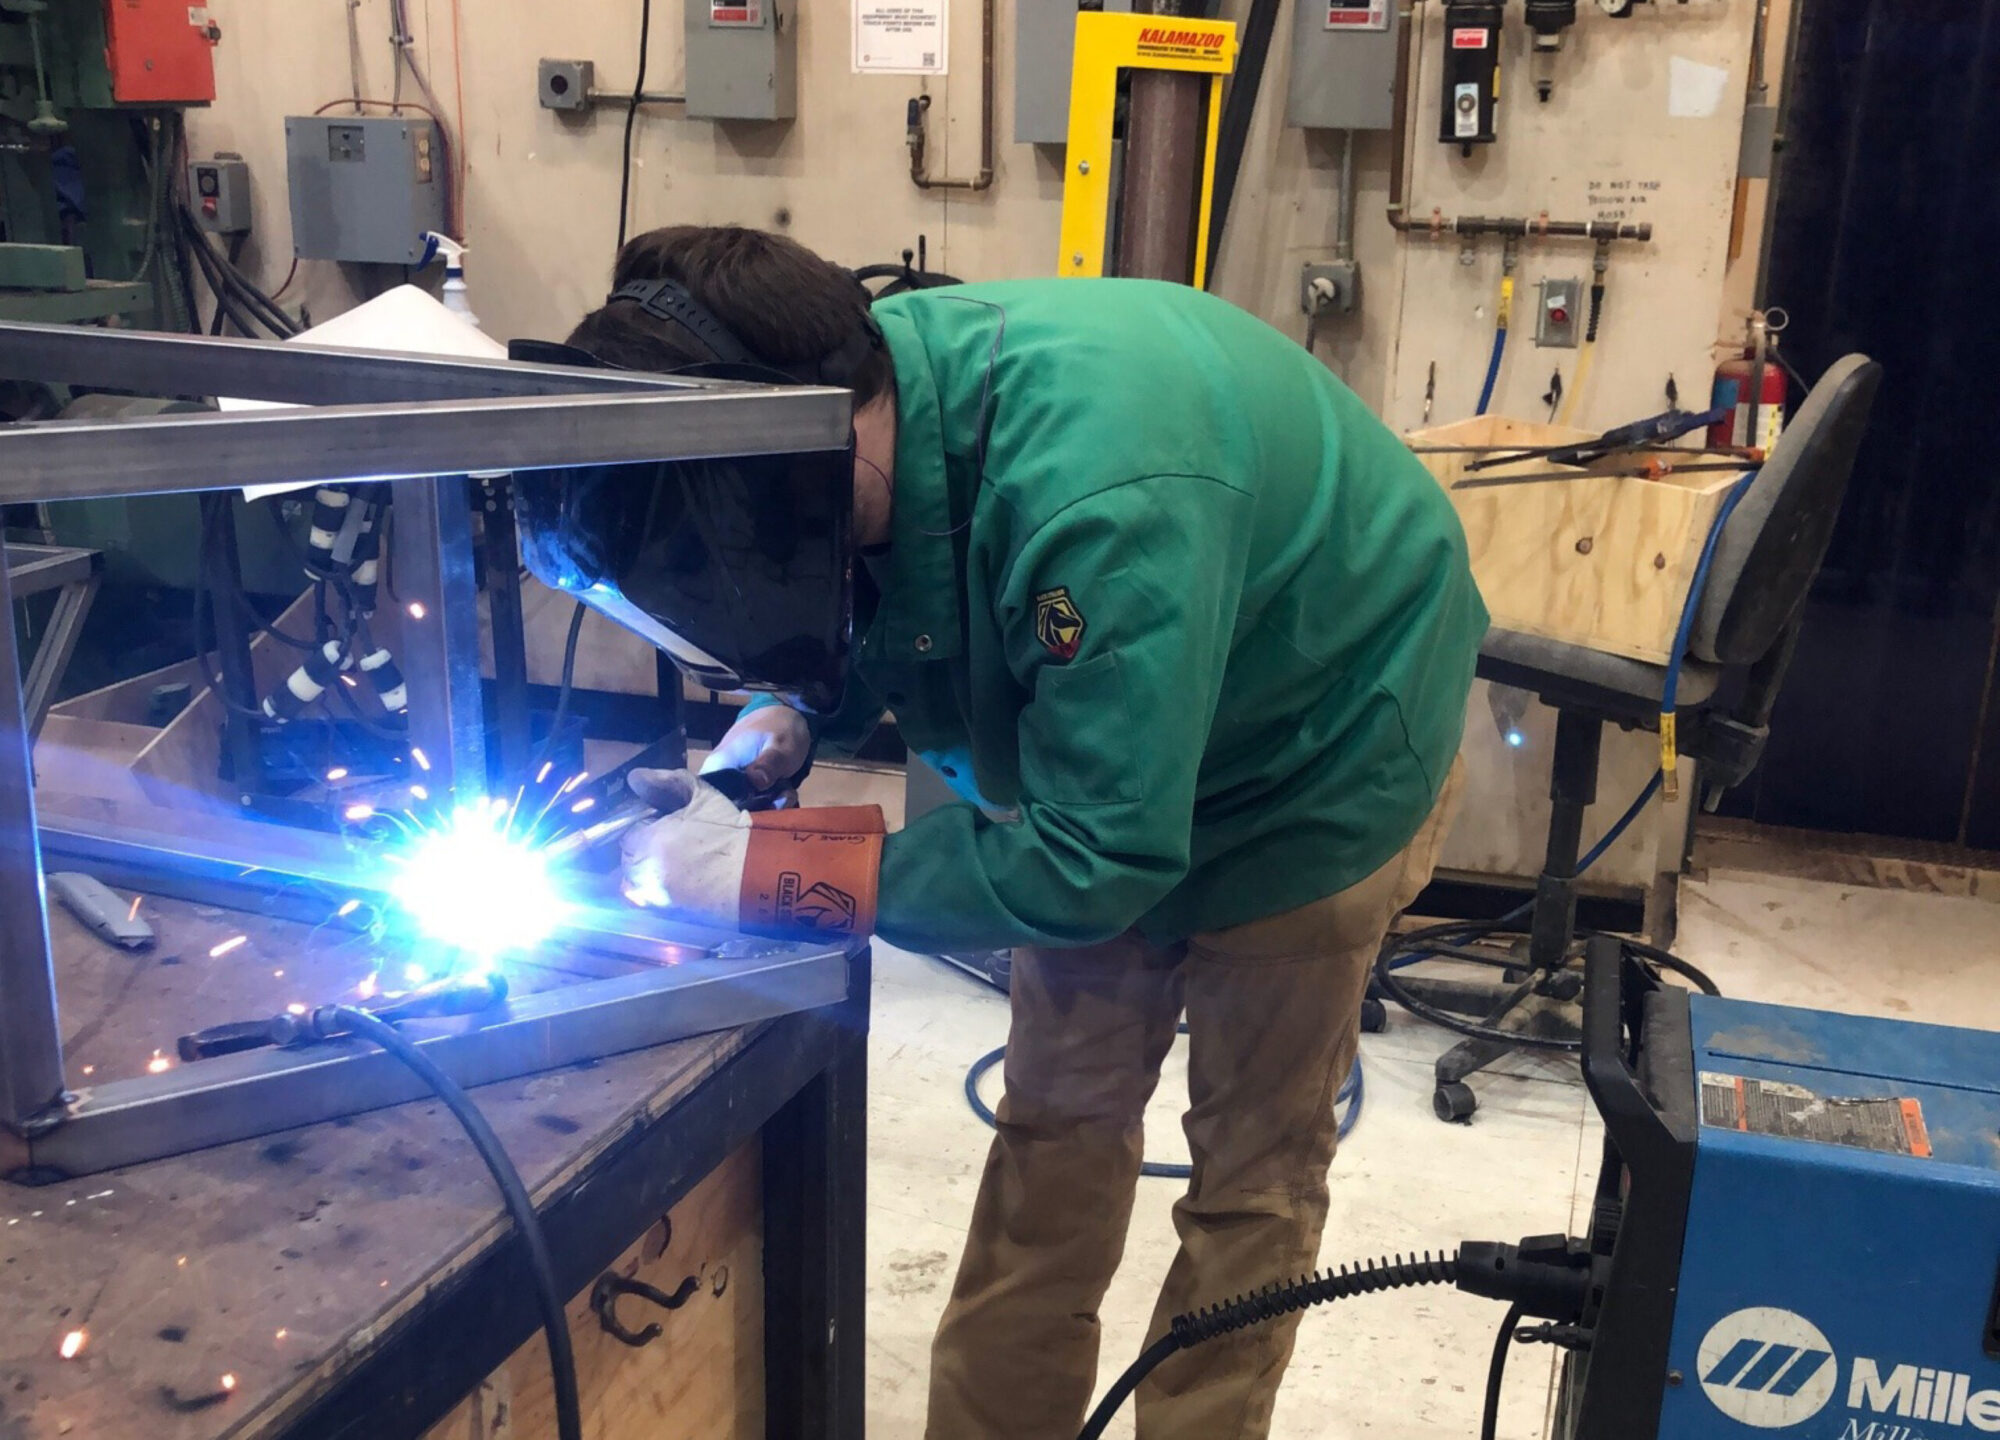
790	307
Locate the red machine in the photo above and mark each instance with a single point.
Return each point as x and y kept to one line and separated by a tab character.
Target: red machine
160	52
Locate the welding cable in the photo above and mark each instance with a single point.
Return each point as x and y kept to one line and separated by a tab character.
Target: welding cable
553	738
1352	1093
1496	1371
520	1206
1286	1297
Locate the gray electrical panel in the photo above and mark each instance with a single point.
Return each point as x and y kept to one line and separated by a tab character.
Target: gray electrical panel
1343	65
220	190
742	59
365	188
1044	50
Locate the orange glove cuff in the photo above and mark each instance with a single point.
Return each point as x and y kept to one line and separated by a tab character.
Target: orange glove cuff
812	872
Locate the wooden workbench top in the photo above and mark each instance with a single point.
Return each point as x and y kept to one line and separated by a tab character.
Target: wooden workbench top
221	1292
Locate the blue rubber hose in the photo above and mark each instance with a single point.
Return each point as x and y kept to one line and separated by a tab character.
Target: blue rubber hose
1492	368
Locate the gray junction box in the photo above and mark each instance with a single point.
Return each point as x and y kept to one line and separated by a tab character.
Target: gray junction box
742	59
364	188
1343	65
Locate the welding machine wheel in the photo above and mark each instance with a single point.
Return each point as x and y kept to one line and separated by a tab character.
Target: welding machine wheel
1454	1101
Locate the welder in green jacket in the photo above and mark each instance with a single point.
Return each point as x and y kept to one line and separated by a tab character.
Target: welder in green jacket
1192	633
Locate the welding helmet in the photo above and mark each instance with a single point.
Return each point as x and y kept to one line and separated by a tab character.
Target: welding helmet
739	567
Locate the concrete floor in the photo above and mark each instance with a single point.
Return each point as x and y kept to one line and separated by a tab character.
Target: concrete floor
1410	1364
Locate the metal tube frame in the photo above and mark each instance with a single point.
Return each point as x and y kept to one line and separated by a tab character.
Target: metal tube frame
363	416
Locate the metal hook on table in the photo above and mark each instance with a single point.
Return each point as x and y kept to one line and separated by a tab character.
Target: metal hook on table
604	1304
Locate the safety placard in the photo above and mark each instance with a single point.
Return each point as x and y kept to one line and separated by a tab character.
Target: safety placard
1372	16
736	14
900	37
1893	1125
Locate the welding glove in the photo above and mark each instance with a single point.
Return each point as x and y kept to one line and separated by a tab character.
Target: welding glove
788	873
769	744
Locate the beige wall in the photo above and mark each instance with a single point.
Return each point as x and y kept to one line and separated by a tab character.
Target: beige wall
542	194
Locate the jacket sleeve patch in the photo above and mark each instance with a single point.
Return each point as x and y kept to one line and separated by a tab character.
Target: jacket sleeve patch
1059	624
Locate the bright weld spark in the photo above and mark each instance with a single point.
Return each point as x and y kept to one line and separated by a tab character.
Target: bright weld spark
159	1064
277	974
338	772
357	812
133	913
414	974
574	781
346	910
90	1069
295	1008
466	884
181	1261
350	682
543	773
417	792
417	611
423	760
282	1333
72	1344
367	988
229	1382
234	942
587	802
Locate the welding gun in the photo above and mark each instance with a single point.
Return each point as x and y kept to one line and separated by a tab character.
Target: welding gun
1654	430
453	995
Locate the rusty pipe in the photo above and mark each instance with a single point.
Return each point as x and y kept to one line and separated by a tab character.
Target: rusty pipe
918	142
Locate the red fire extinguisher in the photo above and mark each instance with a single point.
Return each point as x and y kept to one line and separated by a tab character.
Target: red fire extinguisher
1737	380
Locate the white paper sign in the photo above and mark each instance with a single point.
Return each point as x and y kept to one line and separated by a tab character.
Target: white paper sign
899	37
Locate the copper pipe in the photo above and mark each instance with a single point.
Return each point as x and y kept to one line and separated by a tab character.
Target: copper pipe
918	142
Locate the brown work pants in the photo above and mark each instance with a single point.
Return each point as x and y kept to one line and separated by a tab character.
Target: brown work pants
1273	1022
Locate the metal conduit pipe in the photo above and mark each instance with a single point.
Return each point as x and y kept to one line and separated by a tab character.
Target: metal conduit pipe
915	122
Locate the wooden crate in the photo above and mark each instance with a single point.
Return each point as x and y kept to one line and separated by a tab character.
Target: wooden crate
1602	560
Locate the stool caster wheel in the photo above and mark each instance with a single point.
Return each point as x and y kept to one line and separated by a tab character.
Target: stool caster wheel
1374	1016
1454	1102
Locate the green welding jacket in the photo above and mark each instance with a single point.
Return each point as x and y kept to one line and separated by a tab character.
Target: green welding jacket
1161	590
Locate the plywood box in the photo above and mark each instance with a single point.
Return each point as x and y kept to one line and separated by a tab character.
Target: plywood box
1601	560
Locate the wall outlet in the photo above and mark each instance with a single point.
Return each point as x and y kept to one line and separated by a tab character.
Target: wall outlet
1328	287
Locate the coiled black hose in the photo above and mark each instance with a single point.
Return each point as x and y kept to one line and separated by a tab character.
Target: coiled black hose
1283	1298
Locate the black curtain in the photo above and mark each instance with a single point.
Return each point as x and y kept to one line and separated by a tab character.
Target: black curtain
1887	240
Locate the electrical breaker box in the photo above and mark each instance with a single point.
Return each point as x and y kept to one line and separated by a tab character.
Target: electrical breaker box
160	52
1343	65
220	190
1044	51
364	188
742	59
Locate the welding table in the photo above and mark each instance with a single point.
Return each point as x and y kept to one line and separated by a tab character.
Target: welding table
359	1278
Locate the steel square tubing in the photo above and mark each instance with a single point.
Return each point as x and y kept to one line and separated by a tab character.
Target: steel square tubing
80	460
234	1097
31	1071
291	372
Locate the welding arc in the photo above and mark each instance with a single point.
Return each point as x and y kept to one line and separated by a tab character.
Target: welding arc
548	1299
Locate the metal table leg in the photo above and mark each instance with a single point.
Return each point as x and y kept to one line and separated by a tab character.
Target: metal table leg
52	656
31	1069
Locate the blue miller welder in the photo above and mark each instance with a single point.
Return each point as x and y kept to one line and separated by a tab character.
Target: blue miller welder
1796	1231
